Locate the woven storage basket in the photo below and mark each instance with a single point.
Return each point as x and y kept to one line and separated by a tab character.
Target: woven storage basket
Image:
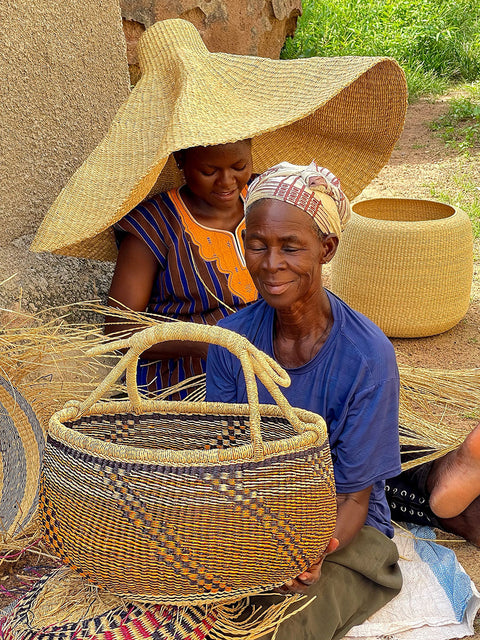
406	264
188	502
21	448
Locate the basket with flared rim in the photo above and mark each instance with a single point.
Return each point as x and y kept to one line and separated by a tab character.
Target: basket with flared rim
188	502
407	264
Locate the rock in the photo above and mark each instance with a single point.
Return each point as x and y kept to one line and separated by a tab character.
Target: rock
255	27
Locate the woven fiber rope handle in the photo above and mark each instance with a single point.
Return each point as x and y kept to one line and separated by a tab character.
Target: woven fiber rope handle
254	363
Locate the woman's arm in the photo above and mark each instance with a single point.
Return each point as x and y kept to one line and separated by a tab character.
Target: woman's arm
131	288
352	510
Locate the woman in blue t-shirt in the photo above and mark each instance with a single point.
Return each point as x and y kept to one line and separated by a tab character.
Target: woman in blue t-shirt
341	366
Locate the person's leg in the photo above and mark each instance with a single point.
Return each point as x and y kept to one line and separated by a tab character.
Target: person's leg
466	524
355	582
454	481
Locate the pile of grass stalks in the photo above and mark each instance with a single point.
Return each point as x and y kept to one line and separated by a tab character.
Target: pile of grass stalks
436	42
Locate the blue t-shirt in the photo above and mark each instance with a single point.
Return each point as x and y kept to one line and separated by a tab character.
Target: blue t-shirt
352	383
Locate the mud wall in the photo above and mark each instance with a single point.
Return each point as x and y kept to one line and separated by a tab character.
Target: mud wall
248	27
64	74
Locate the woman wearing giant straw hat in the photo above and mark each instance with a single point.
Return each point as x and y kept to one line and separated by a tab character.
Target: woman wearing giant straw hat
342	367
349	111
181	256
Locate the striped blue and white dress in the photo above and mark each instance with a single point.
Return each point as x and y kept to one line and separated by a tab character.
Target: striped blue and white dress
201	275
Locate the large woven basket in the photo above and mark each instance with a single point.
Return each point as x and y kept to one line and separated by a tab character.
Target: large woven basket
187	502
406	264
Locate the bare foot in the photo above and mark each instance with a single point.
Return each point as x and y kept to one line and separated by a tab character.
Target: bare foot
466	524
454	481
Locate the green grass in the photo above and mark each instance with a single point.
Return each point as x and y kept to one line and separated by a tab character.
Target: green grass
461	189
437	42
460	126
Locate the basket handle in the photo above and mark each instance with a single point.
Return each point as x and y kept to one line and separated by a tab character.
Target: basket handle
254	363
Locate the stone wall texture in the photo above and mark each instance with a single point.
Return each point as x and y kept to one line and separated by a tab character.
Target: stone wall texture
248	27
64	74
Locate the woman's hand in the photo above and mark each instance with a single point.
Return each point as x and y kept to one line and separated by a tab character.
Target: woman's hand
304	580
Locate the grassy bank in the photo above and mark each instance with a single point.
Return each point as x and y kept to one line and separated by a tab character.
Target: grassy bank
436	42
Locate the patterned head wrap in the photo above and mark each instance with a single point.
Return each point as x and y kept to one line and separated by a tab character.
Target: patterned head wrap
311	188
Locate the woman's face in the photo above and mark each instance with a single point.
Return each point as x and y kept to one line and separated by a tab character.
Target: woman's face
217	174
284	253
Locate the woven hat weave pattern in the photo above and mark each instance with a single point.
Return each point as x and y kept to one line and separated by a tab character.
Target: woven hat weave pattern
345	112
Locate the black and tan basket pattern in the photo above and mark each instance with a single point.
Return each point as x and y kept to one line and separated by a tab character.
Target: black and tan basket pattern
206	502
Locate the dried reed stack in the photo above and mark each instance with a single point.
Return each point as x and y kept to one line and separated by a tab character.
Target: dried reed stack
438	408
42	365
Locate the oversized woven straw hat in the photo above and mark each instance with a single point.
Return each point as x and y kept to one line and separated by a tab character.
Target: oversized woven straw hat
21	449
345	112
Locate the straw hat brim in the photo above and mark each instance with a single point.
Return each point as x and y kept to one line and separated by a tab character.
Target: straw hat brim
21	449
344	112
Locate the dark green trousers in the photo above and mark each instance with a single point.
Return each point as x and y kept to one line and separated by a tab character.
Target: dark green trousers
355	582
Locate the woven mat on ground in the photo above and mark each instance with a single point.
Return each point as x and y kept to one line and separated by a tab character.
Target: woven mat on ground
438	600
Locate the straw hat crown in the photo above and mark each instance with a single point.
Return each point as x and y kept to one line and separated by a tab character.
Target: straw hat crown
346	113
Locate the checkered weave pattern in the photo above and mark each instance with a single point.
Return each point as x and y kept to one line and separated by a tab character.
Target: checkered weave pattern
188	503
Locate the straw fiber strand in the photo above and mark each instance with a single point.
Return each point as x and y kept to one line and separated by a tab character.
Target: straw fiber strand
41	361
406	264
348	112
198	502
438	409
63	606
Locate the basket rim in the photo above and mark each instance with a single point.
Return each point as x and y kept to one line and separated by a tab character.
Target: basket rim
456	212
315	433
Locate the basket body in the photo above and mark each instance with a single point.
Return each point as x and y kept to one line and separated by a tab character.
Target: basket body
187	532
406	264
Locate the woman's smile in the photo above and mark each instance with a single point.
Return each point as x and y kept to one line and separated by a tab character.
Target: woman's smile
276	288
226	195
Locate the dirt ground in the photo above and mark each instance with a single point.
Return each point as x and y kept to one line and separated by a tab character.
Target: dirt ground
419	161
